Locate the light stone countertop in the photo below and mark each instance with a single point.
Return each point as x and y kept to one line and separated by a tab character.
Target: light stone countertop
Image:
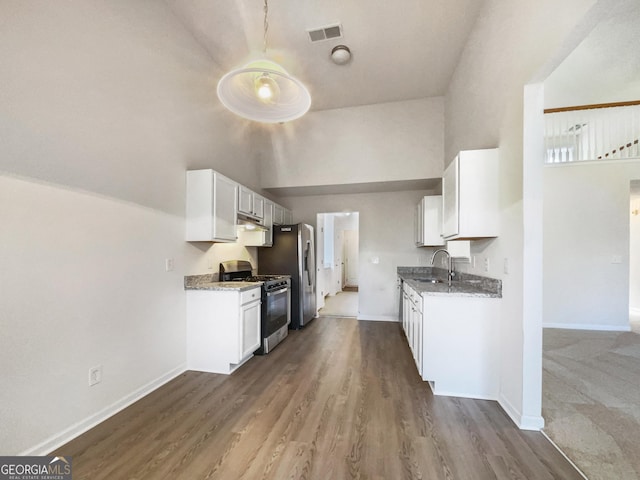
463	285
206	282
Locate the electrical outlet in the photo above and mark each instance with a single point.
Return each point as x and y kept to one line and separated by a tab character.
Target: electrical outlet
168	264
95	375
616	259
506	266
210	263
486	264
473	262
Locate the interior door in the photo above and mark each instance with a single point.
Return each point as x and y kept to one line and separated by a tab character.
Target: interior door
351	240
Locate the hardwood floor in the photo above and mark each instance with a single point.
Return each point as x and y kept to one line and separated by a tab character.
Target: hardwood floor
340	399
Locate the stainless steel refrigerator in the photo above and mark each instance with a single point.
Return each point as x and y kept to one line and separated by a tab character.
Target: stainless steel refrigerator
293	253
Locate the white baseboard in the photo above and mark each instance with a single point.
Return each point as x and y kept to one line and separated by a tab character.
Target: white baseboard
77	429
461	395
588	326
528	422
379	318
523	422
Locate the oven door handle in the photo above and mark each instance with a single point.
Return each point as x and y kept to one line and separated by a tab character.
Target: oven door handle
277	292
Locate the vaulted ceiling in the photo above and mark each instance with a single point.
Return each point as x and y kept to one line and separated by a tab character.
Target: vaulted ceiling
605	67
401	50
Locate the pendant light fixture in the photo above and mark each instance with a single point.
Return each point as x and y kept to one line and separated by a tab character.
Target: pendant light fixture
263	91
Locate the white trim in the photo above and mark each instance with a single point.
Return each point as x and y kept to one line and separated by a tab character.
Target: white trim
77	429
563	454
464	395
379	318
531	423
588	326
509	409
522	422
530	414
432	386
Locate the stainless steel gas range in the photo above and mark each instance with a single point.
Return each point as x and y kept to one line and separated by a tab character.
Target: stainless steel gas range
276	301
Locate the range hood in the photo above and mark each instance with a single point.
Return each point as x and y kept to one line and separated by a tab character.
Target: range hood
250	223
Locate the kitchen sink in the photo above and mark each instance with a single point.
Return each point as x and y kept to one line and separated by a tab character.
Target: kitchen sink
430	280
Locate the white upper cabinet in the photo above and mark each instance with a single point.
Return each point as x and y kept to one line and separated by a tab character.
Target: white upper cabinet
213	203
278	214
288	217
428	222
250	203
470	196
211	207
281	215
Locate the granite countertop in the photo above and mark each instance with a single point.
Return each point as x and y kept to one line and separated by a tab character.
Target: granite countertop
463	284
208	282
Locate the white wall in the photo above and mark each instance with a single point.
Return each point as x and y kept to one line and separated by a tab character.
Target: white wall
115	98
586	225
510	46
374	143
83	284
107	103
386	233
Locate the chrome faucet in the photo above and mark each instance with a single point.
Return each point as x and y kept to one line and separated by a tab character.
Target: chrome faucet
450	272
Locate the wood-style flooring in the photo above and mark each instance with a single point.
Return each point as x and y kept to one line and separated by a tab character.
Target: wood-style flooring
340	399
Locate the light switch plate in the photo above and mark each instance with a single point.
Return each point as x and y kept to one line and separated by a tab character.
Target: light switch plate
168	264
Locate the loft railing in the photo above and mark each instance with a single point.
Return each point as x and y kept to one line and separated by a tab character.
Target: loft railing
592	132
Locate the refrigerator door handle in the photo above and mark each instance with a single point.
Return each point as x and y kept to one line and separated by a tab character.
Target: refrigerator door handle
306	261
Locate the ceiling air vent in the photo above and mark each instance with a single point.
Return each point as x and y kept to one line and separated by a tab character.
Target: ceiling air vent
325	33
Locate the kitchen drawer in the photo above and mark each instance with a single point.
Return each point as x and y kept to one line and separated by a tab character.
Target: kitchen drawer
416	299
248	296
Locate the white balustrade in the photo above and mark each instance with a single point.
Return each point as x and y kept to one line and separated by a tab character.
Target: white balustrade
593	134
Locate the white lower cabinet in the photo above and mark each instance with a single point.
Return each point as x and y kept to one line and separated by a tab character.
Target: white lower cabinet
223	328
412	322
454	341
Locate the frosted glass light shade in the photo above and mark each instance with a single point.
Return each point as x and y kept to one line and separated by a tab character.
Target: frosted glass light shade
239	89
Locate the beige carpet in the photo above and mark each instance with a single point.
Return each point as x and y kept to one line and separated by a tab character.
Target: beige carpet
591	400
343	304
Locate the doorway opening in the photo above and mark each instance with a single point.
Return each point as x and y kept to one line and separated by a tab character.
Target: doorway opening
338	238
589	355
